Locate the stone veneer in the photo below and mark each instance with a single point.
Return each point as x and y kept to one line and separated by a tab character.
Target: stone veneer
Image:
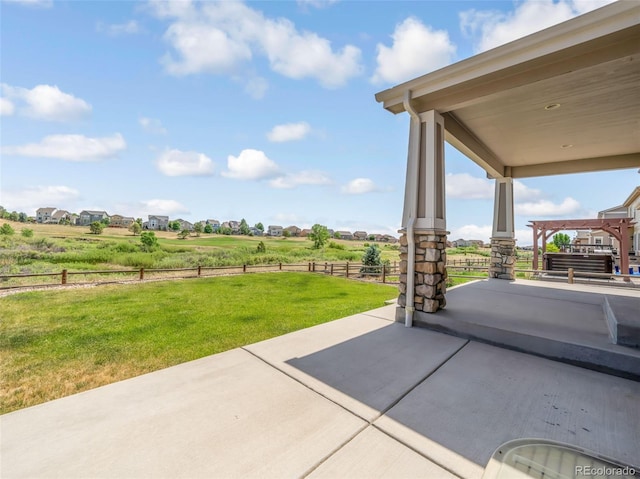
430	271
503	258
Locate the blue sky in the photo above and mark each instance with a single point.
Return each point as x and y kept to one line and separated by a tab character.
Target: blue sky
255	110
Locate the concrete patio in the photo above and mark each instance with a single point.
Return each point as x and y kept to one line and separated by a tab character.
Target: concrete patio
362	396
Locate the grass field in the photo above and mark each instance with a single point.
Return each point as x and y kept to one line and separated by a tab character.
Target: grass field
56	343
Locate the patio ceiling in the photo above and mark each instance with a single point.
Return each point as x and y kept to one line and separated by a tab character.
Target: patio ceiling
563	100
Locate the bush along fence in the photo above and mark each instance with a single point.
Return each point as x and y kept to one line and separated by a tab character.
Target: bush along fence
384	274
468	269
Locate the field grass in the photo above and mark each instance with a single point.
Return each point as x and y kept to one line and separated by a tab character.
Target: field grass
56	343
54	247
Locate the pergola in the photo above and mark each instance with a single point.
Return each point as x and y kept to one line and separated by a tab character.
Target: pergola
616	227
562	100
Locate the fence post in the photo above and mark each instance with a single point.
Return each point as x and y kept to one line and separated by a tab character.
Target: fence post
570	275
325	267
313	267
244	268
280	266
64	276
331	269
199	270
309	268
384	273
141	274
346	271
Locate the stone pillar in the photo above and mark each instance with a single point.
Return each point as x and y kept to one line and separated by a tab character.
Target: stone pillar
503	243
430	271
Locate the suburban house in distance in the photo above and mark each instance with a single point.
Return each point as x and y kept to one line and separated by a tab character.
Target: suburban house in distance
274	230
43	215
156	222
215	224
345	235
360	235
185	225
89	216
293	230
119	221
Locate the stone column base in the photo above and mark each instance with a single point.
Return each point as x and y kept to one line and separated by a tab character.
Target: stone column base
503	258
430	271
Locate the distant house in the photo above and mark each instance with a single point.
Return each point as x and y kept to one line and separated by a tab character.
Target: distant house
274	230
360	235
119	221
61	216
255	231
235	227
478	243
215	224
43	215
461	243
305	232
90	216
157	222
293	230
184	224
345	235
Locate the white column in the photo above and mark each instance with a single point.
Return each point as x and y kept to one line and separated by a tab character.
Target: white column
503	209
425	182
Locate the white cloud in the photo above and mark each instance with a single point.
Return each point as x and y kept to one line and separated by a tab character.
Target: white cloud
465	186
32	3
71	148
417	49
46	102
287	218
568	207
6	107
129	28
250	165
491	28
239	33
184	163
359	186
483	232
256	87
33	197
289	132
152	125
163	207
301	178
316	3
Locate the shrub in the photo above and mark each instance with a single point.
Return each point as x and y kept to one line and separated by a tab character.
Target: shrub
334	245
26	232
6	229
96	228
149	241
261	248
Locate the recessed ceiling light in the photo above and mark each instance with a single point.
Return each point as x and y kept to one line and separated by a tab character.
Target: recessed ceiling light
566	146
552	106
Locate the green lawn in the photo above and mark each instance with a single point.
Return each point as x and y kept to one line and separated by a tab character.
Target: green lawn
56	343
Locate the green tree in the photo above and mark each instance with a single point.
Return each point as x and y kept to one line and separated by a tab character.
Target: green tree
224	230
259	226
208	229
561	240
319	235
552	248
149	241
286	233
6	230
13	216
135	228
96	228
261	248
174	225
336	235
26	232
198	228
244	227
371	258
184	233
105	221
22	217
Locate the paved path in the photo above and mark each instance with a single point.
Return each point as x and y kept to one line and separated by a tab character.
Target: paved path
358	397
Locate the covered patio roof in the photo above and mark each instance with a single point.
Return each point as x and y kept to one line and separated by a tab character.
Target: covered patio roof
563	100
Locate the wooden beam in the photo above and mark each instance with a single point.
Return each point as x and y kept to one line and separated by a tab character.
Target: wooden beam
458	136
584	165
